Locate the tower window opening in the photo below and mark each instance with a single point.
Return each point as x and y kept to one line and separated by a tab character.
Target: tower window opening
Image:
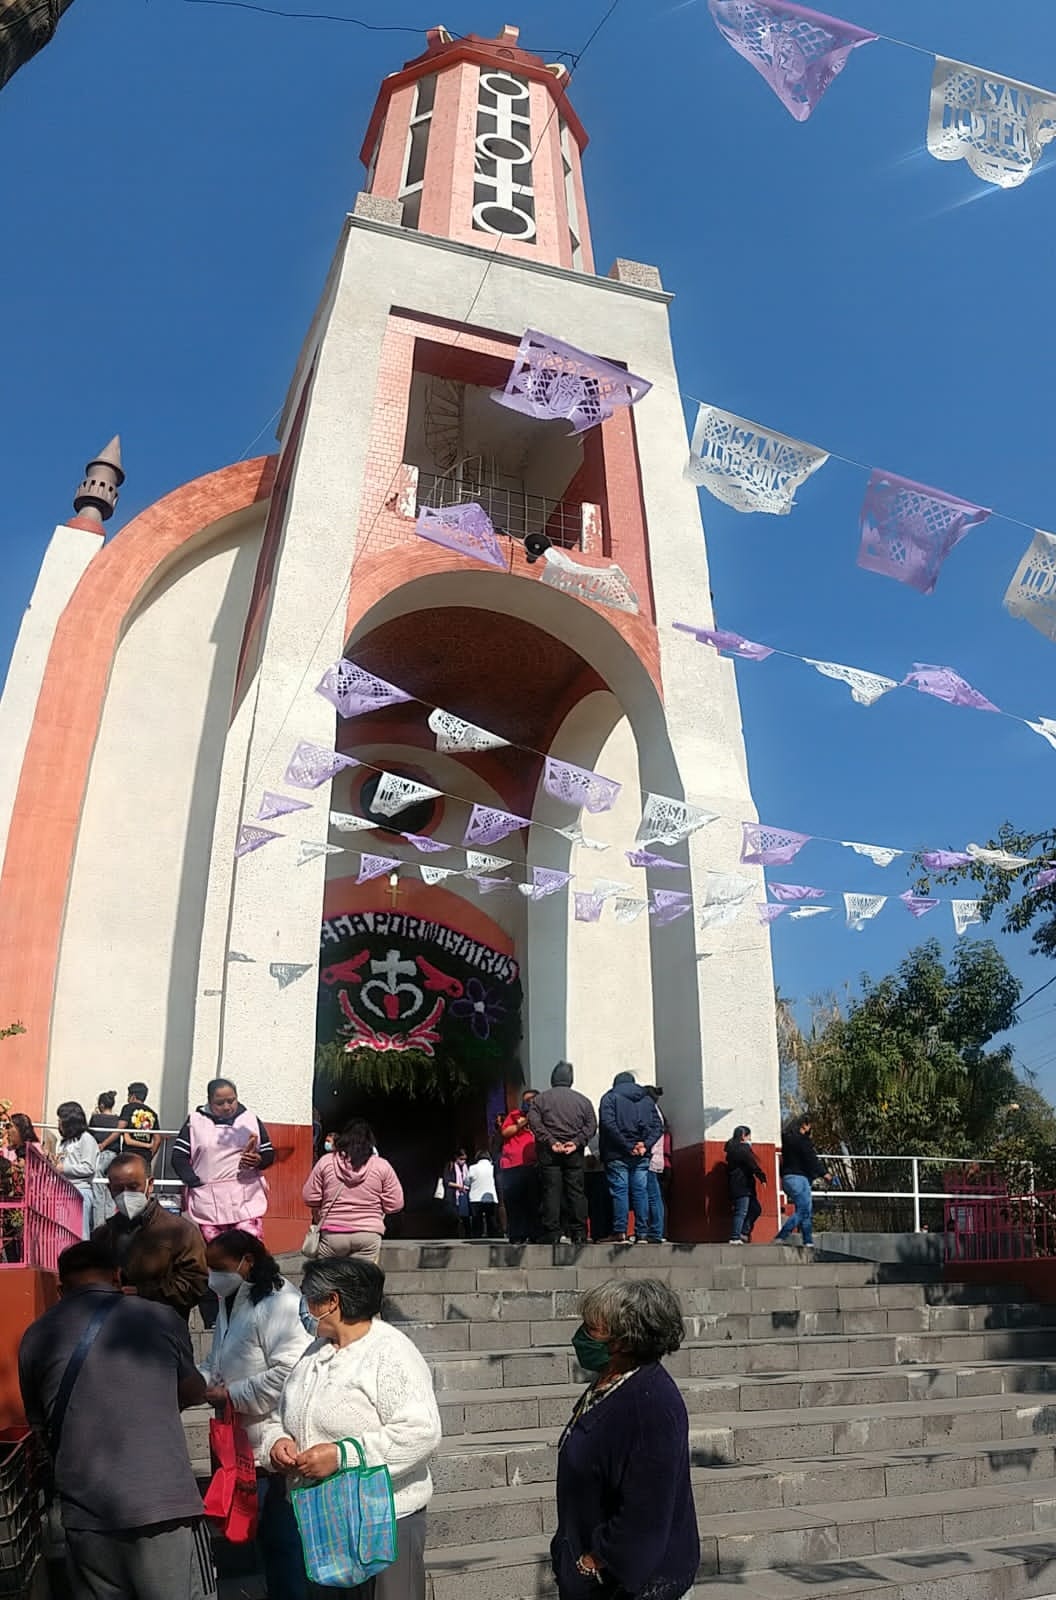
503	196
571	207
417	148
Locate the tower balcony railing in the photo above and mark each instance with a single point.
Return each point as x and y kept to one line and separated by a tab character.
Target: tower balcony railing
564	522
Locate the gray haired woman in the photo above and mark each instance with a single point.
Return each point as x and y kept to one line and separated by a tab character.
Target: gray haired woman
626	1522
362	1380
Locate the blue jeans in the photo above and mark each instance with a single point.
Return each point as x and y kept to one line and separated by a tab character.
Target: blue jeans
746	1213
655	1220
628	1186
802	1197
279	1540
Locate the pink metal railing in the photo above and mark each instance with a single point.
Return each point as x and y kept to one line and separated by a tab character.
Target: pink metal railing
52	1217
1001	1227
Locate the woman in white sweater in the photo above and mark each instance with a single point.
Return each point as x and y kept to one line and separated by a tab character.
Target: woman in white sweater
77	1156
257	1341
362	1380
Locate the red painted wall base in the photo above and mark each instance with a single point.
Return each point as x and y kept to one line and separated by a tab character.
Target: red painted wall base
25	1294
700	1198
287	1219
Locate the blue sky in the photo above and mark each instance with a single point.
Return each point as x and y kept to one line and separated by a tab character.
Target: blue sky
182	174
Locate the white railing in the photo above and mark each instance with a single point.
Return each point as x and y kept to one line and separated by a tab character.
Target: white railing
842	1168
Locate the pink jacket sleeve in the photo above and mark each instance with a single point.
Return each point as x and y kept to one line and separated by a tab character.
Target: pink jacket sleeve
391	1190
312	1193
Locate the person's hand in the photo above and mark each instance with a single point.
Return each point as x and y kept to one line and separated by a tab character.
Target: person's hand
321	1461
639	1149
250	1156
588	1566
217	1394
762	1177
284	1455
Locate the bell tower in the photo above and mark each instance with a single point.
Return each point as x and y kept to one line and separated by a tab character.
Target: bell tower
478	141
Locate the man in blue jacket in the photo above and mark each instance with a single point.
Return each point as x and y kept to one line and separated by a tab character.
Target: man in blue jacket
630	1125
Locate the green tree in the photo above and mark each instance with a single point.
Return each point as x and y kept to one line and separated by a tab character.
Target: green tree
905	1068
1024	908
8	1033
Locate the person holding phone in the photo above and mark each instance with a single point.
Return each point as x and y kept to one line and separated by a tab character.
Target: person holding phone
221	1154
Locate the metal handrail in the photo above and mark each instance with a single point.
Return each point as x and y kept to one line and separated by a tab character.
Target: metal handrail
512	511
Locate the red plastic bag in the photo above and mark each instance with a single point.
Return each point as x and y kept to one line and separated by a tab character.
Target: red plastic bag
231	1498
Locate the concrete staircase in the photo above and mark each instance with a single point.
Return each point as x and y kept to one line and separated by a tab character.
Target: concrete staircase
854	1428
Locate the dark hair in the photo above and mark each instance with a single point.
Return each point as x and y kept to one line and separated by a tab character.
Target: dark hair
797	1123
137	1091
219	1083
27	1133
356	1143
72	1120
264	1274
642	1315
125	1158
358	1285
741	1131
88	1255
653	1090
482	1155
106	1099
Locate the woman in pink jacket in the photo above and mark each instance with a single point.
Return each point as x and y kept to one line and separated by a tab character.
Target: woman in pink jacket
351	1192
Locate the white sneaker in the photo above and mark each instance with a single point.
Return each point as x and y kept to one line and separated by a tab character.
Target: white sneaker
736	1241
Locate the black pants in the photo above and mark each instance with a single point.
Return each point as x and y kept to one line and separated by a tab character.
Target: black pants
520	1194
564	1196
484	1219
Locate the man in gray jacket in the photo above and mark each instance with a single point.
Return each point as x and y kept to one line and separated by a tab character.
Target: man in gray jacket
564	1123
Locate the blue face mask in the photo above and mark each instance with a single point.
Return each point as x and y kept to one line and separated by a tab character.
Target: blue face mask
309	1323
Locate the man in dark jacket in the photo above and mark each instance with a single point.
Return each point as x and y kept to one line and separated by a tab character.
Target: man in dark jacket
630	1126
800	1166
564	1123
159	1256
743	1172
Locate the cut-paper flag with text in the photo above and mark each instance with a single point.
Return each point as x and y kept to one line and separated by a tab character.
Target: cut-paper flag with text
348	822
1031	596
454	734
476	862
250	838
798	52
965	912
432	875
747	467
667	821
375	866
311	849
551	379
628	910
861	908
395	793
287	972
997	125
908	529
579	787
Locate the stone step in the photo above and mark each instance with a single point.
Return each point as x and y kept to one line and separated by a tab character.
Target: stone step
552	1374
1014	1567
751	1537
512	1421
721	1314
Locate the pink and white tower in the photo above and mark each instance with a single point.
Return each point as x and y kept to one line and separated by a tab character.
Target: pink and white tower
141	948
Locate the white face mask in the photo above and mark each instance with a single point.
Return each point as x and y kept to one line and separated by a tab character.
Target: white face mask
131	1203
224	1283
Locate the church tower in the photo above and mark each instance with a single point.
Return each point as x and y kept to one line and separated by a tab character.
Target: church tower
157	953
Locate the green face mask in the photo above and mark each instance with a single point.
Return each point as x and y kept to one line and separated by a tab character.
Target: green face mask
593	1355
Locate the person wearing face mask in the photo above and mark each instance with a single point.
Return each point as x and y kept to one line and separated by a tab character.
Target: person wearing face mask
160	1257
743	1173
257	1342
361	1380
626	1521
221	1154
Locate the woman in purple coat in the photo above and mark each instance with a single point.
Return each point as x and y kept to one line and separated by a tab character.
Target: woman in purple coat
626	1522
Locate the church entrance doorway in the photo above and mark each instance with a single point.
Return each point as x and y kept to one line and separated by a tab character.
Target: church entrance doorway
418	1031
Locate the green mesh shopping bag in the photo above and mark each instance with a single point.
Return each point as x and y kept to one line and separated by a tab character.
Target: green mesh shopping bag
347	1522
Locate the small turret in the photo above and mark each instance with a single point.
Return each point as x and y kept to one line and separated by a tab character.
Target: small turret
96	498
